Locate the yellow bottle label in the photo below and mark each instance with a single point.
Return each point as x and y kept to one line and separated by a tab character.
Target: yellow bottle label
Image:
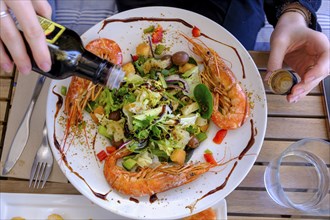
51	29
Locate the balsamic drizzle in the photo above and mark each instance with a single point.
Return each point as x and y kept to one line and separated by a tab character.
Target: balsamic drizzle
59	104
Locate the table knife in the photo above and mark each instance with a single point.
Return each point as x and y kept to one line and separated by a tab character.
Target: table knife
23	131
326	92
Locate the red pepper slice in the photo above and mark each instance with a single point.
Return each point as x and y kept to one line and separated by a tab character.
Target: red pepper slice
157	35
208	156
102	155
196	32
220	135
135	57
110	149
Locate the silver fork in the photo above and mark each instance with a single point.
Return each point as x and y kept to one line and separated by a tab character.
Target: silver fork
43	162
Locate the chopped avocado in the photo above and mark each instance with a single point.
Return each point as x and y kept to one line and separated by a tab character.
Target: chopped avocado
149	29
190	72
201	136
159	49
103	131
129	163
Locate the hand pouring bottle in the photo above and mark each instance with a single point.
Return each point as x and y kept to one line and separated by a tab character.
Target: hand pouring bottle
70	58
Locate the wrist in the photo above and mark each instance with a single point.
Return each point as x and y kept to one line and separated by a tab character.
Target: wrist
292	19
297	9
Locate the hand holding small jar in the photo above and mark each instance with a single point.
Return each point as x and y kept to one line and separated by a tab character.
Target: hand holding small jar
306	51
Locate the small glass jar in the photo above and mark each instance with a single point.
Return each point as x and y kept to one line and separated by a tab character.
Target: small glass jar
281	81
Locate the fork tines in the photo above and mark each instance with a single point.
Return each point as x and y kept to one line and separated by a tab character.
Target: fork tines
43	162
39	173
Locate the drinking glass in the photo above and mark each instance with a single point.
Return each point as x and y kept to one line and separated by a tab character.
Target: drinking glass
299	177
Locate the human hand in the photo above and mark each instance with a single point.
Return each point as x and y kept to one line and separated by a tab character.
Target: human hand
306	51
25	12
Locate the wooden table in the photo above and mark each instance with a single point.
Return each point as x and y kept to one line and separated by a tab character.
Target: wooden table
286	123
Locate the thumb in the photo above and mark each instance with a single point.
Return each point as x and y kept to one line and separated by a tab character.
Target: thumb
276	57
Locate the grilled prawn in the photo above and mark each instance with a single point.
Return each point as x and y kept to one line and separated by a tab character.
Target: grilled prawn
147	180
82	90
231	107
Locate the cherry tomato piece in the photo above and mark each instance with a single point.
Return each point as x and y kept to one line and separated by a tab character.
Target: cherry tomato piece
220	135
102	155
157	35
135	57
208	156
196	32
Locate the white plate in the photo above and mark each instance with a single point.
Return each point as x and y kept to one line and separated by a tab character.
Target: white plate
170	204
40	206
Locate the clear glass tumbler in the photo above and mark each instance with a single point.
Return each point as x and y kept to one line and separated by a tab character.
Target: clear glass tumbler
299	177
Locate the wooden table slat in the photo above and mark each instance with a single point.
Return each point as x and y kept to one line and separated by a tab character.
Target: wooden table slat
22	186
271	149
309	106
296	128
250	202
5	88
3	107
256	174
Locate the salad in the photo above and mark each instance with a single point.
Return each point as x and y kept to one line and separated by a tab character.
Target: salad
161	111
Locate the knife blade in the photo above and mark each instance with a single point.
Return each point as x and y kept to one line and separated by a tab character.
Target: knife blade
23	131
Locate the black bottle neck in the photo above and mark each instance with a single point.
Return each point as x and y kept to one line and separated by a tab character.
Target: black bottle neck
92	67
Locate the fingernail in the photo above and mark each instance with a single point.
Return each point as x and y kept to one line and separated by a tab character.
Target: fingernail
6	67
267	76
45	66
24	70
309	79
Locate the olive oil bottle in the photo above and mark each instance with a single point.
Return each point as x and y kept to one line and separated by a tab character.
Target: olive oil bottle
69	58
